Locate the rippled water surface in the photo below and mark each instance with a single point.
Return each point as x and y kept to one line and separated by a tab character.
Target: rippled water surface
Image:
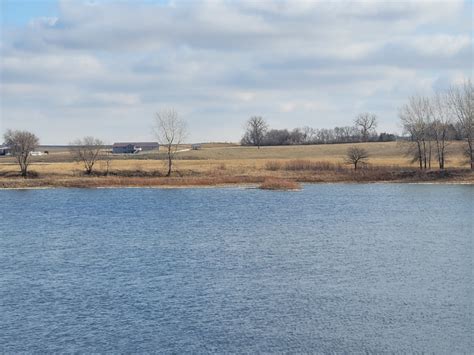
333	268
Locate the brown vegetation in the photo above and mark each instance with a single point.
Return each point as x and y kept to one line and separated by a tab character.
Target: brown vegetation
279	184
235	165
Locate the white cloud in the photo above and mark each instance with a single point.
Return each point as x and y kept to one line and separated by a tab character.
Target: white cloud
441	44
296	62
40	22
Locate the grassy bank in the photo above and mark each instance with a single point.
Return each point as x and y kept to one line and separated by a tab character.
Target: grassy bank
229	164
270	178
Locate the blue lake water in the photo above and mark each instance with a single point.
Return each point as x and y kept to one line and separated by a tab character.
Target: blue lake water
332	268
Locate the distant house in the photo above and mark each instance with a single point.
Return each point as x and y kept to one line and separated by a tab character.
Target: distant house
134	147
196	146
4	150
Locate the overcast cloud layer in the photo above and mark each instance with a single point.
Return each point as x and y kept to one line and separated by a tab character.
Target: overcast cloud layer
103	68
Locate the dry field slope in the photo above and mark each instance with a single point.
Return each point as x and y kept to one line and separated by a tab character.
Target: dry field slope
273	167
237	158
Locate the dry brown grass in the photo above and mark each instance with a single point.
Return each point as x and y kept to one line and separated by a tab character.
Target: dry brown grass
381	154
310	165
279	184
115	181
228	164
273	165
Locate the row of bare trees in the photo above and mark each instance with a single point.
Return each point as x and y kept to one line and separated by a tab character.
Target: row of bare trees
431	122
87	151
169	130
428	121
258	133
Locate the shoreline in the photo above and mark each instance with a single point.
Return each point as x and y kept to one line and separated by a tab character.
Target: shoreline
37	184
280	167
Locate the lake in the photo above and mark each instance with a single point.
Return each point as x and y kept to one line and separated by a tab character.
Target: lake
342	268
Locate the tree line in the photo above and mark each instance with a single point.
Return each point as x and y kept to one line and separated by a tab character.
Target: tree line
257	133
169	130
432	122
429	125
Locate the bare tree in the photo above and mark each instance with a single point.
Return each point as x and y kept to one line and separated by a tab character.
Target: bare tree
255	130
106	159
21	144
86	151
308	134
461	102
170	132
441	126
416	118
366	122
356	155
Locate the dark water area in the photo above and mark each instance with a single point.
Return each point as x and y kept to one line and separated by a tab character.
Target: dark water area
333	268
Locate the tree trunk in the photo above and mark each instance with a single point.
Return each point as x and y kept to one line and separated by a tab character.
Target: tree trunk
443	148
429	154
424	155
420	157
471	155
23	166
170	162
438	151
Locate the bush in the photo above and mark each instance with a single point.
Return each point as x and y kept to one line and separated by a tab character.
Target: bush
308	165
273	165
279	184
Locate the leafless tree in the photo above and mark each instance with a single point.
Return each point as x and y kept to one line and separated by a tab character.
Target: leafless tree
170	132
255	130
366	122
461	102
21	144
356	155
106	159
440	127
308	134
86	151
416	119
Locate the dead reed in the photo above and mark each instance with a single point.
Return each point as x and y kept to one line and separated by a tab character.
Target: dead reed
279	184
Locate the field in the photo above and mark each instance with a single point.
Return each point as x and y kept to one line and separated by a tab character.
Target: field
230	163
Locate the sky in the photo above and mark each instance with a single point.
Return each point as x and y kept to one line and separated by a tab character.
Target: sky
103	68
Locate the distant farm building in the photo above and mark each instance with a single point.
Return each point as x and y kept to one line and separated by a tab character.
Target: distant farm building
5	150
196	146
134	147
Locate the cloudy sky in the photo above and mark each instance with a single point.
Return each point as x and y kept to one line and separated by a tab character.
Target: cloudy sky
74	68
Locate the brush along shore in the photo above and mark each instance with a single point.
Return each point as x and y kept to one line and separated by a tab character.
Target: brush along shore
237	165
269	179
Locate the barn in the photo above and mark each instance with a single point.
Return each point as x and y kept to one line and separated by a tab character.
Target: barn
4	150
134	147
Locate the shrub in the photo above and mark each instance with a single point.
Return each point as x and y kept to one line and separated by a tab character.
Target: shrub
279	184
308	165
273	165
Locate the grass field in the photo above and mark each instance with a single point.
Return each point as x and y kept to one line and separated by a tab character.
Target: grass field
224	162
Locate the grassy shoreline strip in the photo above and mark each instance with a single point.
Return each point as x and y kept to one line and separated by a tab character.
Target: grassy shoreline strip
370	176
